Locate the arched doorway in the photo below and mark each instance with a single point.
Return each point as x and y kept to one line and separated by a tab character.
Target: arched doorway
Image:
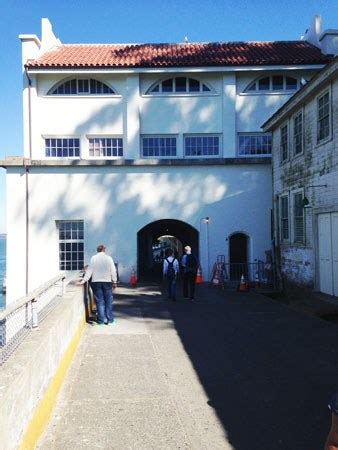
155	238
238	255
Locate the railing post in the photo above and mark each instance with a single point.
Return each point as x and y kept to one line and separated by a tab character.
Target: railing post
35	320
63	286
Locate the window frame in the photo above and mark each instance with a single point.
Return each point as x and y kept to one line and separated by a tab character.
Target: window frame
69	244
202	135
270	90
284	151
158	136
82	94
328	115
284	219
301	133
298	240
160	93
253	135
65	137
93	137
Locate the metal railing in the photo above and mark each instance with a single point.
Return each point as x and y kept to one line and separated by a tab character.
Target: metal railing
229	274
20	317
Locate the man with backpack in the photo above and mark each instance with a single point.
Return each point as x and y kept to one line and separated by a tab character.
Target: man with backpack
170	272
190	265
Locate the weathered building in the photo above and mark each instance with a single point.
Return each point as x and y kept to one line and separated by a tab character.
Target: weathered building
305	183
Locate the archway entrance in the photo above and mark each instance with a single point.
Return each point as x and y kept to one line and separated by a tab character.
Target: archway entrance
155	238
238	255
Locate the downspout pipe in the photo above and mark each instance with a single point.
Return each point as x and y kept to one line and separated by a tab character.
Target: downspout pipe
29	83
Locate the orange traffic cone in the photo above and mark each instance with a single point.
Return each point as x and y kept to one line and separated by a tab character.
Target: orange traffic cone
133	279
243	286
198	276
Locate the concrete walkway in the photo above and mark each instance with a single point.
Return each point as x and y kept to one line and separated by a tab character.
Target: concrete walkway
228	371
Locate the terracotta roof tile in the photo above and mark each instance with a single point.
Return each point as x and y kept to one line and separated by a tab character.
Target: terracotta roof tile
180	55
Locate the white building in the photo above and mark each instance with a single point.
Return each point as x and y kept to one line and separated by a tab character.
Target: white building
127	143
305	183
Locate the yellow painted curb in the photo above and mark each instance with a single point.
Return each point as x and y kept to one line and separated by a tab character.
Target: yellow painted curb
43	410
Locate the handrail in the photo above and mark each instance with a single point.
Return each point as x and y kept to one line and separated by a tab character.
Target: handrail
30	297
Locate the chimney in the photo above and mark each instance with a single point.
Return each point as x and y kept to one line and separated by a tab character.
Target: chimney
327	40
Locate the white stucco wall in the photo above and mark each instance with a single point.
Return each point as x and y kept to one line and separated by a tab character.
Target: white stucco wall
116	202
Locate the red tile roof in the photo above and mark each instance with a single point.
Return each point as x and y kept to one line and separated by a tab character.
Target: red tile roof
180	55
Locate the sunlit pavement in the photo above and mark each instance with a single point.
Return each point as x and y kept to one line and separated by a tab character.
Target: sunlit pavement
228	371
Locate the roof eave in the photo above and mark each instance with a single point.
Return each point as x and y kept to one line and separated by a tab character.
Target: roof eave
223	68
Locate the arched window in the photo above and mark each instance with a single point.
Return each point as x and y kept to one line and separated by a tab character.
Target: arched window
178	85
81	86
273	83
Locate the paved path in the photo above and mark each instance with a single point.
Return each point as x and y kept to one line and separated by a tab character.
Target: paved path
229	371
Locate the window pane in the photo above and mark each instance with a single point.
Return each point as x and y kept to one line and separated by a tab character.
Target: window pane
291	83
264	84
181	84
277	83
201	146
82	86
62	147
257	144
159	146
194	85
167	85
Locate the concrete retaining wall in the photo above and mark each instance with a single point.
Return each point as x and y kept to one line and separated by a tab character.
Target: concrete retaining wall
31	378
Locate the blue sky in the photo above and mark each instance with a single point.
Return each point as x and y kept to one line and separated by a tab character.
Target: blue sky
119	21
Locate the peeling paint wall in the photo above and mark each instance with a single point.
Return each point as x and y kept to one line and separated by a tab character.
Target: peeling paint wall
314	173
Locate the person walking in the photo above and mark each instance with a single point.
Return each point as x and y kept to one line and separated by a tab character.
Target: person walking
103	275
170	272
189	264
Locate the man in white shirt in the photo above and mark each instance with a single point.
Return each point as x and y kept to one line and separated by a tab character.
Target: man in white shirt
104	278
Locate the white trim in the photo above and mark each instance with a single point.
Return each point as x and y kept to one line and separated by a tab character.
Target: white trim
202	69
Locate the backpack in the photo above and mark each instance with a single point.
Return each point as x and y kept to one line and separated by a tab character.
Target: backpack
170	268
191	263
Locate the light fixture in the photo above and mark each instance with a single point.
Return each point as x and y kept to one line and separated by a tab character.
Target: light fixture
306	203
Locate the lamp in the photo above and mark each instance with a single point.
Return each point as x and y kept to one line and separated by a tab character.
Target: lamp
306	203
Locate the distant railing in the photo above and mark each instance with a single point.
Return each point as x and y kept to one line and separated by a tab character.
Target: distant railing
230	274
20	317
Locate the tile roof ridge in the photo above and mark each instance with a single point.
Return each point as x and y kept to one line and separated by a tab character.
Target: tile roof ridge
156	44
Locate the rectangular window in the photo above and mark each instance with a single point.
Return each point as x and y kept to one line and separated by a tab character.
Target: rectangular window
323	117
71	242
284	218
298	217
105	147
254	144
62	147
158	147
298	134
201	145
284	143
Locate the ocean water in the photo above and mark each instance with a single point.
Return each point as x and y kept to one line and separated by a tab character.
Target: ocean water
2	267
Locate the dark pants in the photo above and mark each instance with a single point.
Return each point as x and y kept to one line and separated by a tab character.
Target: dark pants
171	285
103	292
189	284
